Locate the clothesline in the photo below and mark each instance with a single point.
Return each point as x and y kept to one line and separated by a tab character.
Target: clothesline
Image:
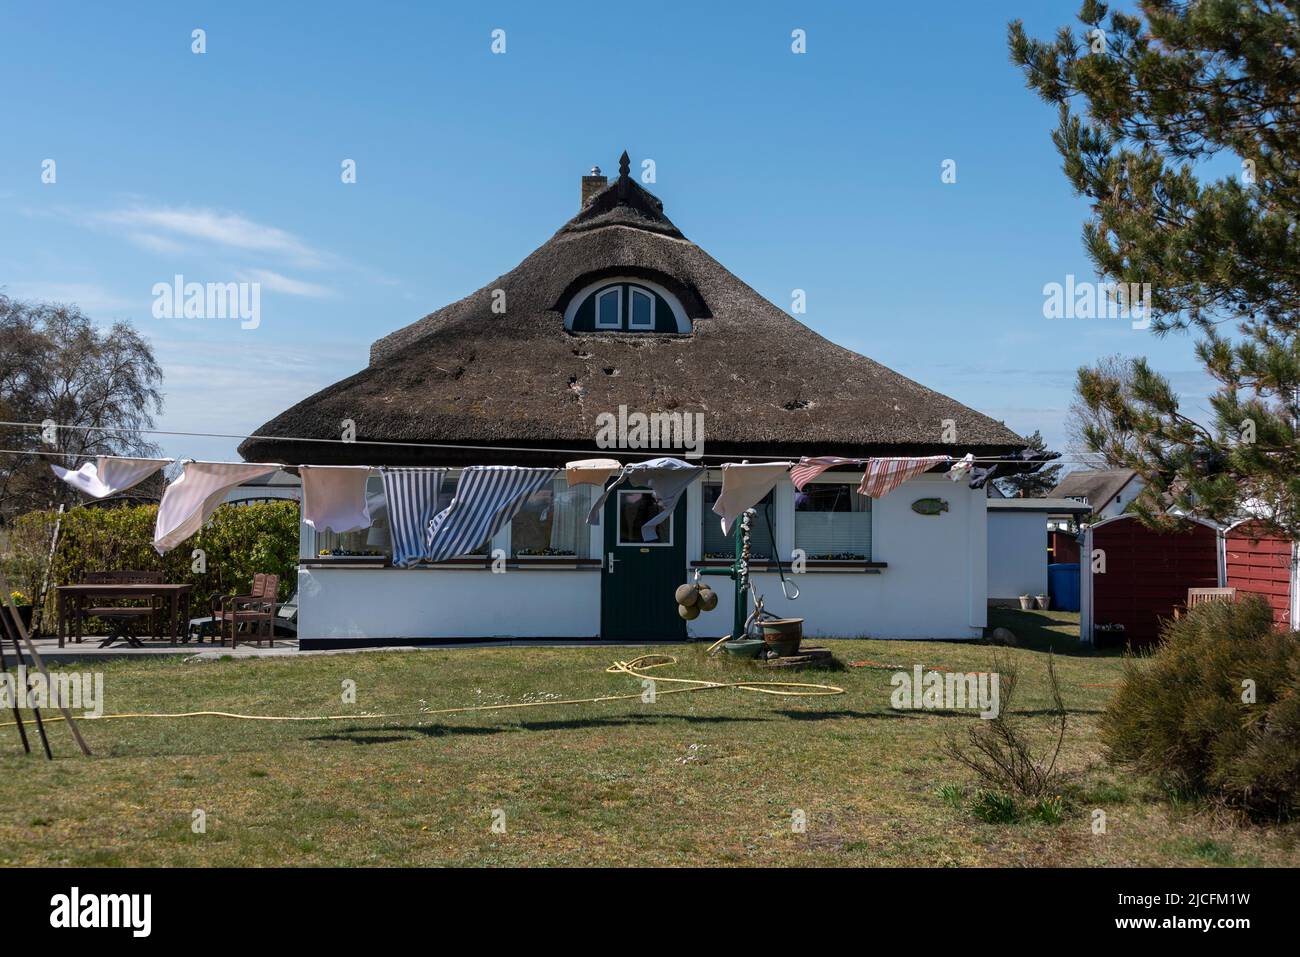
626	453
488	496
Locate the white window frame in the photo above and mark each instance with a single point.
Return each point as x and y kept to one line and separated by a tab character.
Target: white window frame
839	478
618	516
680	319
631	310
617	292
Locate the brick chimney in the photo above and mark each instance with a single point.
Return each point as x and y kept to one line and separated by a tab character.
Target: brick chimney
591	185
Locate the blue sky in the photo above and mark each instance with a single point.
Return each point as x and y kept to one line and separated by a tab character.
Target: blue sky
818	171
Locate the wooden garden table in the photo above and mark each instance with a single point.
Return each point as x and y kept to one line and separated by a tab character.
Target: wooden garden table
76	595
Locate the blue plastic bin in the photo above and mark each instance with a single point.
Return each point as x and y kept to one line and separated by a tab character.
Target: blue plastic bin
1063	586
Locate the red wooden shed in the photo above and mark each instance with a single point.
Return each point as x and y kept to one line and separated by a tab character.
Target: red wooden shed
1259	562
1133	576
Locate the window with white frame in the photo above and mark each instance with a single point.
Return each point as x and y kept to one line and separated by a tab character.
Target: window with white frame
372	542
609	308
719	546
376	541
634	510
620	304
641	314
832	522
553	523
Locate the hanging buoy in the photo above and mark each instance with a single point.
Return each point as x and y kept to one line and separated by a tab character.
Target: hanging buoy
689	612
708	599
688	594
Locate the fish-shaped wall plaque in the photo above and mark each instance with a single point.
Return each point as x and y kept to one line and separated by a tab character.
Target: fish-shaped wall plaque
929	506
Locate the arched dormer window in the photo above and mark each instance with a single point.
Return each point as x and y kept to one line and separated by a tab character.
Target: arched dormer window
621	304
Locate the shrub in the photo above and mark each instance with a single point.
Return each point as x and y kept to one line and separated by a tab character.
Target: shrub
238	541
1185	717
998	749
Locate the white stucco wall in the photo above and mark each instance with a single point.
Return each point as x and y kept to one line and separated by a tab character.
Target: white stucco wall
935	585
447	603
1017	554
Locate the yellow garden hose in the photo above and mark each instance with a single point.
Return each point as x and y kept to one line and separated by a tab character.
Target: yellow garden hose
636	668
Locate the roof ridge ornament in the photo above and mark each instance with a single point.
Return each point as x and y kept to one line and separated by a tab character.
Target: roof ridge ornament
624	179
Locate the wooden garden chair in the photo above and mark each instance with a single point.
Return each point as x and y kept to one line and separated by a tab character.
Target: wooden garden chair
255	610
1196	596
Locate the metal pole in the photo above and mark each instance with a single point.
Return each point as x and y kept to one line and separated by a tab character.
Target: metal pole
740	575
40	665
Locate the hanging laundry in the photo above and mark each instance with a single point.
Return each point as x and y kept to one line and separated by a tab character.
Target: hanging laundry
487	497
109	474
1021	463
884	475
961	468
590	471
190	501
377	534
667	478
412	495
808	469
334	497
744	486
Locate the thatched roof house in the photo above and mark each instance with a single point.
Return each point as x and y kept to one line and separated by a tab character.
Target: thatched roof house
618	314
618	308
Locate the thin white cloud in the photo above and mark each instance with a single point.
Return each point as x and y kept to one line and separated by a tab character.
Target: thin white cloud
93	299
276	282
165	223
157	244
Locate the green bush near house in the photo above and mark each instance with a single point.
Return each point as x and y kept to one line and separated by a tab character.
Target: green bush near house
1215	712
237	542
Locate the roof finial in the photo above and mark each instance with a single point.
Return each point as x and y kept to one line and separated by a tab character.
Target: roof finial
624	166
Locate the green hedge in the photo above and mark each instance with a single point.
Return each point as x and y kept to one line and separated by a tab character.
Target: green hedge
238	541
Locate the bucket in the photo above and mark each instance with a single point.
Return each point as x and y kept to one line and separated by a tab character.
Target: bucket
744	648
782	635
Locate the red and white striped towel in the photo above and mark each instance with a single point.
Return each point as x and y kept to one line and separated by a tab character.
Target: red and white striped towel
884	475
808	469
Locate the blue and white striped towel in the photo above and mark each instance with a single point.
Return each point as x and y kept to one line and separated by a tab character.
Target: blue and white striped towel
487	497
412	495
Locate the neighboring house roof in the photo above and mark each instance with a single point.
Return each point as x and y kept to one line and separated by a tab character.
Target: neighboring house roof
1098	486
764	382
1053	506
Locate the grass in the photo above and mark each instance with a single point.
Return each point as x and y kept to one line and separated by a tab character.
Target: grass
710	778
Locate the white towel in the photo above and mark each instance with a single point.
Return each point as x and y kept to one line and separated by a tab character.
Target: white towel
666	477
334	497
109	474
589	471
744	486
961	468
191	499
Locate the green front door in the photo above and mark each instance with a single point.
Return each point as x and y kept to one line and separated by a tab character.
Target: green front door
639	578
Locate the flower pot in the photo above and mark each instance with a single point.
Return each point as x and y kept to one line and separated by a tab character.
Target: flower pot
782	635
1041	602
24	614
1026	602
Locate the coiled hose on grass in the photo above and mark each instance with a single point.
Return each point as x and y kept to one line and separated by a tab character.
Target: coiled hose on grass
636	668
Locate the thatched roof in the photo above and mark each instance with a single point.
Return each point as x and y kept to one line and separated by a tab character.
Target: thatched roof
766	383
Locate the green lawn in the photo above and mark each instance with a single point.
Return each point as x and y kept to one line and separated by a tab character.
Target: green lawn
705	778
